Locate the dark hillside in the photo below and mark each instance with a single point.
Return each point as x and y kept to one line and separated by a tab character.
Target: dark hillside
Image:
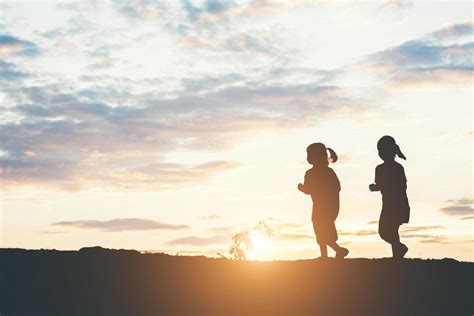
98	281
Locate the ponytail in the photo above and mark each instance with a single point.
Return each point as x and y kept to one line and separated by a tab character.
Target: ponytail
399	152
333	154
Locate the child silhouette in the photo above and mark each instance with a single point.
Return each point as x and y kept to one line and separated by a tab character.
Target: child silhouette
390	180
322	184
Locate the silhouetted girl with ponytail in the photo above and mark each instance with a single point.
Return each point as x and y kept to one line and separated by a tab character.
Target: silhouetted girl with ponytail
390	180
322	184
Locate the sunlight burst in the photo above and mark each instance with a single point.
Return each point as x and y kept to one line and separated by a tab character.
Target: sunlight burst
260	242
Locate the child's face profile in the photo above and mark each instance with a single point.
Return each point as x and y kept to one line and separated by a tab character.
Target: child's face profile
386	155
316	156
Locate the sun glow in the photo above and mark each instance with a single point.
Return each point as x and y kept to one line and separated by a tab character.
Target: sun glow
260	242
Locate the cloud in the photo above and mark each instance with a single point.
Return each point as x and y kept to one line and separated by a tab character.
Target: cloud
453	31
75	174
9	73
439	59
368	232
201	241
119	225
116	131
421	228
293	236
427	238
10	46
443	240
221	229
404	230
424	236
237	41
419	78
82	138
211	217
459	207
219	26
416	54
138	9
290	226
207	7
75	25
52	232
398	4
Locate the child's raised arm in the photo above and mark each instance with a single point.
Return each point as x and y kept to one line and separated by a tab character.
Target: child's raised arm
374	186
303	187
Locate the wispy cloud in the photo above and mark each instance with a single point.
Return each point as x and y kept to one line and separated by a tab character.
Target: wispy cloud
61	129
459	207
365	232
293	236
201	241
211	217
398	4
453	31
10	46
10	73
444	240
221	229
421	228
119	225
406	231
440	58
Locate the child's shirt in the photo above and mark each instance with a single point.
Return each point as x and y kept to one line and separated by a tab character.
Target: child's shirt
322	184
392	182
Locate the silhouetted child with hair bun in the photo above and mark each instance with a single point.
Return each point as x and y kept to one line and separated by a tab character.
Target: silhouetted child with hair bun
322	184
390	180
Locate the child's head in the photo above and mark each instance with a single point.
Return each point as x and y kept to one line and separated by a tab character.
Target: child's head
388	149
318	154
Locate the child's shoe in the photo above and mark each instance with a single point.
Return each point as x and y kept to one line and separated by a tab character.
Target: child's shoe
342	253
400	251
403	250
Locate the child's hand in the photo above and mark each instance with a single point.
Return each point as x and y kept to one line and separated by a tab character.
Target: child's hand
301	187
373	187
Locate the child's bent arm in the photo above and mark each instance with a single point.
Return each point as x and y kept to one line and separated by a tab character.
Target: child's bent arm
303	188
374	187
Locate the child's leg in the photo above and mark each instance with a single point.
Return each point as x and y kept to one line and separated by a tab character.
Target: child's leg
398	249
341	252
389	232
319	239
324	250
395	239
334	246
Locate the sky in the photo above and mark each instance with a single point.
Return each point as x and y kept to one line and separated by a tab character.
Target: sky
170	126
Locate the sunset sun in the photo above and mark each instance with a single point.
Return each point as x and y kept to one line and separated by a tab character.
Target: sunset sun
260	242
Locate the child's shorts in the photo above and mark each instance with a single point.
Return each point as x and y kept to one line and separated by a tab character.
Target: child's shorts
325	230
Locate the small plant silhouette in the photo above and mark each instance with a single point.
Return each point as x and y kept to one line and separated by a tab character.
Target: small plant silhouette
243	242
263	228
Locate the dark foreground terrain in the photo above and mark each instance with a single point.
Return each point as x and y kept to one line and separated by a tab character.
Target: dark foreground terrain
96	281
